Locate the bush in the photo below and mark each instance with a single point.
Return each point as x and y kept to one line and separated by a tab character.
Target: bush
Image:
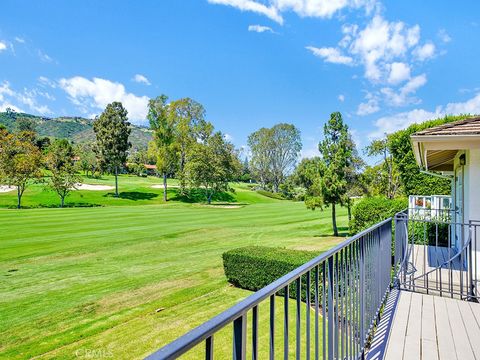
369	211
254	267
270	194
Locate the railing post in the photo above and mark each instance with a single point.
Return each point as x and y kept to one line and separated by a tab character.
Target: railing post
331	311
239	338
362	294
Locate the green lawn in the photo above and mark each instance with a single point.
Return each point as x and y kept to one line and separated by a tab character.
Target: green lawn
121	281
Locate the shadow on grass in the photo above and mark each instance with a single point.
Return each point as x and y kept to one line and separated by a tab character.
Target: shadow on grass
133	195
53	206
342	232
198	195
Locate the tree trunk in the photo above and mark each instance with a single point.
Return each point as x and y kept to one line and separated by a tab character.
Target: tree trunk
209	198
164	186
116	181
349	209
62	201
334	220
19	197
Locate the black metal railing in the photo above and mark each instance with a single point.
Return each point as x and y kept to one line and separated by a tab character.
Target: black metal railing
336	297
436	255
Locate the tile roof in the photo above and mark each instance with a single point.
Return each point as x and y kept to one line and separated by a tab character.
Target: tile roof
469	126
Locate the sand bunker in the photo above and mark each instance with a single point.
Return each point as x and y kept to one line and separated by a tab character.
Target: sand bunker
93	187
224	206
160	186
6	188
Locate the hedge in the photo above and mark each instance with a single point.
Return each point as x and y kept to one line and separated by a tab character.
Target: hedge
372	210
254	267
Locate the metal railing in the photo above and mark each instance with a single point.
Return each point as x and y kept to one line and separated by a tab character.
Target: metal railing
341	292
437	255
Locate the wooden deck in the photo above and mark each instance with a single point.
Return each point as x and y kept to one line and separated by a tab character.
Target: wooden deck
441	280
433	328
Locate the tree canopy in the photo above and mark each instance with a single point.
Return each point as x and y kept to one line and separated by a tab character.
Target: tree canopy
112	130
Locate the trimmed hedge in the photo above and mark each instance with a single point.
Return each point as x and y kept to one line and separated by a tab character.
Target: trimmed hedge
254	267
372	210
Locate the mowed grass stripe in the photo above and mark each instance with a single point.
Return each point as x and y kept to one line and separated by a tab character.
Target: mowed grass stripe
94	277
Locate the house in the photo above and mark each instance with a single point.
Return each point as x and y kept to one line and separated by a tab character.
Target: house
345	303
453	149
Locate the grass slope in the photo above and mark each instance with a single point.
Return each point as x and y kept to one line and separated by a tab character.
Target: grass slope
121	281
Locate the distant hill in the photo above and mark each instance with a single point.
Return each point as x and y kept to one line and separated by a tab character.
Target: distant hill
76	129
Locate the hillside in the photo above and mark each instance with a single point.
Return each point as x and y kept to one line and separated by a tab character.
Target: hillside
76	129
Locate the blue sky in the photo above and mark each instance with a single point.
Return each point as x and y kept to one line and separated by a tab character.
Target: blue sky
251	63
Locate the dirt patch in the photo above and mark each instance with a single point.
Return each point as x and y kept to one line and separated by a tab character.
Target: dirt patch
6	188
93	187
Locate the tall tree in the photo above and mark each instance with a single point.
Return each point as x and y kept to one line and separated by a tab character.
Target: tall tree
187	114
212	164
336	150
260	144
112	130
20	161
163	123
88	161
63	172
286	146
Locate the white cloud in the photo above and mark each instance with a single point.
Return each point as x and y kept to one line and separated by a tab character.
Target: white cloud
44	57
371	106
249	5
379	43
273	9
403	96
341	98
321	8
8	97
141	79
95	94
443	35
3	46
44	81
392	123
331	55
228	137
399	72
424	52
260	28
20	40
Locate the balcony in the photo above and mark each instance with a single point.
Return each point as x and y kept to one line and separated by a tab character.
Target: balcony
412	295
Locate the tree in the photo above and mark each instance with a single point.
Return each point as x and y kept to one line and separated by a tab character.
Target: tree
88	161
275	152
187	115
379	147
63	173
212	164
336	150
286	146
25	124
112	130
163	122
20	161
260	145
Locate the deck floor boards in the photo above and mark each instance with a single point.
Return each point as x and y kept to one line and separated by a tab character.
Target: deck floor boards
434	328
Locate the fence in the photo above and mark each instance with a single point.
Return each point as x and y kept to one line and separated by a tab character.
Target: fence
342	292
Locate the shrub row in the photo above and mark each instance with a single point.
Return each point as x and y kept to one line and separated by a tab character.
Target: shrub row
254	267
371	210
270	194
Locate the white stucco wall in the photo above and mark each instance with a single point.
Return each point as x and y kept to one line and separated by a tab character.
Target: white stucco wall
472	185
